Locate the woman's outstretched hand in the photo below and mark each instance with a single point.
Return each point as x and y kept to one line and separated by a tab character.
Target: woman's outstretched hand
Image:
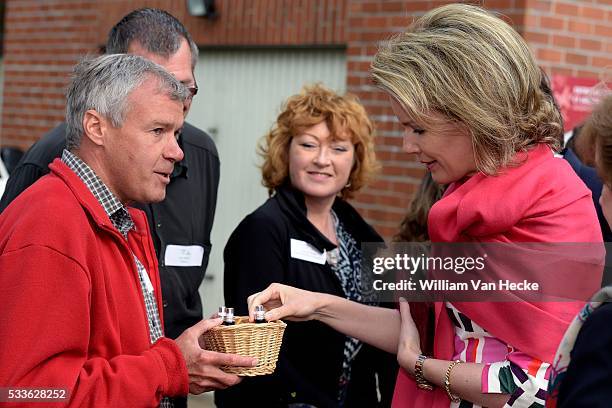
285	302
409	346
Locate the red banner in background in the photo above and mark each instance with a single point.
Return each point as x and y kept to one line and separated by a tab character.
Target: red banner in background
576	97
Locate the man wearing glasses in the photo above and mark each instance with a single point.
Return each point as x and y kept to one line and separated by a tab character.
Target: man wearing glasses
181	224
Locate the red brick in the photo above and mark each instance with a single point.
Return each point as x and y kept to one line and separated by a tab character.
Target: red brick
393	6
566	9
565	41
576	59
416	5
355	7
353	50
580	27
376	22
394	170
371	7
382	215
531	21
547	54
553	23
380	184
542	5
356	80
534	37
561	71
406	187
399	21
386	232
592	45
592	13
601	62
363	66
499	4
355	22
390	141
603	30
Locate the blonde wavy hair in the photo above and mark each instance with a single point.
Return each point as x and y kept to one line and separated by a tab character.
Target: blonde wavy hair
344	116
467	64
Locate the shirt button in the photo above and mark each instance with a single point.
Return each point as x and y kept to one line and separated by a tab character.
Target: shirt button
165	303
159	225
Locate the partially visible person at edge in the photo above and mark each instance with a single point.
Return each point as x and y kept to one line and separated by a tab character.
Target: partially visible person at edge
577	149
413	228
583	363
576	152
466	89
183	221
81	306
318	154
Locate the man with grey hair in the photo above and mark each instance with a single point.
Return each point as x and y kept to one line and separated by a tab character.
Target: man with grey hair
81	297
182	223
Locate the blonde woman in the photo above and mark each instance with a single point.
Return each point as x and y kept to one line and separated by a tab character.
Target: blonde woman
466	89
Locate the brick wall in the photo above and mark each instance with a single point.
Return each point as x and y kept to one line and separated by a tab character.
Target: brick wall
571	37
42	42
249	22
43	39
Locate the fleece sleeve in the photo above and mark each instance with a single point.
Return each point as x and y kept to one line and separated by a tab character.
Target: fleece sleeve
45	340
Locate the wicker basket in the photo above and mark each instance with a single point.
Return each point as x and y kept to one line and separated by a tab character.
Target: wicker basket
259	340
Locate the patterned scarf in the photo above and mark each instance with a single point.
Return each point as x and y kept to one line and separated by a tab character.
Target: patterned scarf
563	356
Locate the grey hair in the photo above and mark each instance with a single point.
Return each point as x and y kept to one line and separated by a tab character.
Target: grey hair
157	31
104	84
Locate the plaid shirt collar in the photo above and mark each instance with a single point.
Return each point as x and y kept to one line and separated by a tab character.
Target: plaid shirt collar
118	214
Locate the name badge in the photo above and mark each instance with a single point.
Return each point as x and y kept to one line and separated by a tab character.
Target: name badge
184	255
147	282
306	252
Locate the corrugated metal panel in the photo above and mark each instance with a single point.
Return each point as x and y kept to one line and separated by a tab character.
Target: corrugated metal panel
240	96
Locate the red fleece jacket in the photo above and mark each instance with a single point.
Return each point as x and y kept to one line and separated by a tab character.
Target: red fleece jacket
72	313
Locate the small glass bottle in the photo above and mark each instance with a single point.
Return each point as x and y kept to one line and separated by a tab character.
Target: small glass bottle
222	312
259	314
228	320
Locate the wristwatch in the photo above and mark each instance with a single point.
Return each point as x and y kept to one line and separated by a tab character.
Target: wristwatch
422	383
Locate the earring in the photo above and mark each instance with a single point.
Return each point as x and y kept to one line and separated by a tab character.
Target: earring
347	185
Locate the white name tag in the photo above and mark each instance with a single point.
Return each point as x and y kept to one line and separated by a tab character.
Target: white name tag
306	252
147	282
184	255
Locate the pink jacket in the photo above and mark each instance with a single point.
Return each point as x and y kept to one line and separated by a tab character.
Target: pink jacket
542	200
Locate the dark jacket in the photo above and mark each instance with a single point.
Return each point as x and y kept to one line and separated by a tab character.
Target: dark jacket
258	254
588	379
589	176
185	217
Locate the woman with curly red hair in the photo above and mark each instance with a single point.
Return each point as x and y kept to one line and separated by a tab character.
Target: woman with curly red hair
319	153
